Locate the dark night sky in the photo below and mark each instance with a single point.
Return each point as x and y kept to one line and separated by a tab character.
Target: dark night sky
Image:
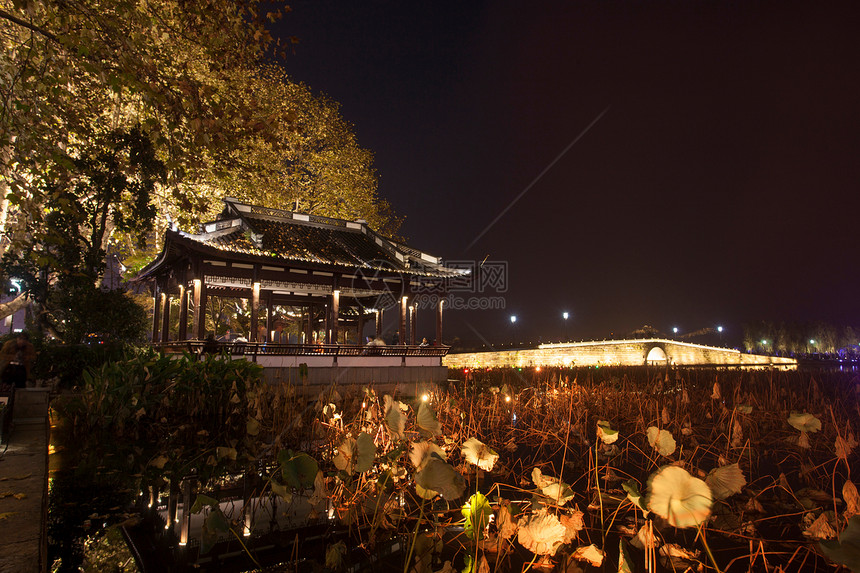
720	186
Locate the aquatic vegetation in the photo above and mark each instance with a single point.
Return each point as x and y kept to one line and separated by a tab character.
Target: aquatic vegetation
616	468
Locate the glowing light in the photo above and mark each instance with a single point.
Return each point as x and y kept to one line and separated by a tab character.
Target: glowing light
675	329
811	341
565	315
513	318
719	329
507	398
537	368
425	398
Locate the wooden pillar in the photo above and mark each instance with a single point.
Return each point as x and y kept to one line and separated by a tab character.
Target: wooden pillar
165	316
269	325
255	304
310	326
334	314
404	302
359	335
439	321
199	329
413	318
183	311
379	322
185	519
156	313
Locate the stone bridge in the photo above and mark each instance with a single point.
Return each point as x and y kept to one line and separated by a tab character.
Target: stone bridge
636	352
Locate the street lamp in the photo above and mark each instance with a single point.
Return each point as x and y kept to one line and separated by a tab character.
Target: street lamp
513	318
675	330
565	315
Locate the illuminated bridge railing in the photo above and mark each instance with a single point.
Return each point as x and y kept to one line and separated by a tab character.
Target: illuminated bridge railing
254	349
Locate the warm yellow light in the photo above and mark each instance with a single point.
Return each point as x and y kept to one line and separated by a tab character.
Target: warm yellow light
425	397
507	398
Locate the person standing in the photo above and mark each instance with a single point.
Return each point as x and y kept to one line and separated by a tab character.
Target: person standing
16	364
16	361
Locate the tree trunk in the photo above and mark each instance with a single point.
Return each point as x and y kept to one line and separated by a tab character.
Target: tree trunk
14	305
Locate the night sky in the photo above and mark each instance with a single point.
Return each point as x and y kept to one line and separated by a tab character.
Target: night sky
719	185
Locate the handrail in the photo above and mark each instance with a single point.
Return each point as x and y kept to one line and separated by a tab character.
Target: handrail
268	348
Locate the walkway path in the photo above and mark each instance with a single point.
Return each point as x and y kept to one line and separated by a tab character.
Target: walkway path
24	488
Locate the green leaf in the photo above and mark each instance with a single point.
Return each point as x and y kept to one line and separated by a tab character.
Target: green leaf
299	471
847	550
281	491
394	418
606	434
427	422
631	486
385	482
661	440
726	481
214	523
366	452
225	452
477	512
625	564
804	422
203	501
439	476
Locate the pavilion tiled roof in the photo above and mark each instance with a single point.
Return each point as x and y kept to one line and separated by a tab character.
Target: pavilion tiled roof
287	236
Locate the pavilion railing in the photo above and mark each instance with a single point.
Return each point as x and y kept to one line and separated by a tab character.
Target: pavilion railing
271	349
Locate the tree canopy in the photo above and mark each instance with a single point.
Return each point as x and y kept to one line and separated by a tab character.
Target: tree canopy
187	80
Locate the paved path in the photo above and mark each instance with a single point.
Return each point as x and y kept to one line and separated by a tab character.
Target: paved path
24	497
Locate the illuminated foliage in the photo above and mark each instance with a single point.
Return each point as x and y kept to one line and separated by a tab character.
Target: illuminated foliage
185	76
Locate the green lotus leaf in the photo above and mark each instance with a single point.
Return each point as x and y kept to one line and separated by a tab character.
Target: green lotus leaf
203	501
477	512
365	452
662	441
299	470
427	422
846	551
804	422
440	476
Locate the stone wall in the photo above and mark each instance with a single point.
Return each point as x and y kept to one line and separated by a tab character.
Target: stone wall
411	381
614	353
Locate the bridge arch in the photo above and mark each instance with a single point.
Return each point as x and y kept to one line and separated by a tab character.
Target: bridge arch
656	355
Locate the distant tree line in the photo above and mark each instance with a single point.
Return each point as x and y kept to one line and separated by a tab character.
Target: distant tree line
801	338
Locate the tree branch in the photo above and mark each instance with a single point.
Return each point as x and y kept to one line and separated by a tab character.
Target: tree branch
29	26
14	305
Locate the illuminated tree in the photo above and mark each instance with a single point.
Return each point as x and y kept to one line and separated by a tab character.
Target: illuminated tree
186	77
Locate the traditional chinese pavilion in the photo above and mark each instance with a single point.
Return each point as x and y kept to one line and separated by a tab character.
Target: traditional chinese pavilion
334	274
